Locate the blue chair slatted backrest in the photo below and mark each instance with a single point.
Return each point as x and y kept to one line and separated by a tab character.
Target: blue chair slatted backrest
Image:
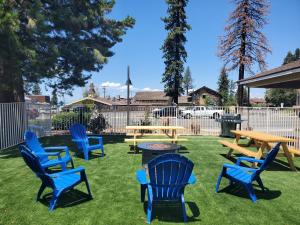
169	174
33	162
78	132
268	160
33	143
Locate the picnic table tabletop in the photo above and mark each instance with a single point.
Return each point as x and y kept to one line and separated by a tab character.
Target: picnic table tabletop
261	136
154	128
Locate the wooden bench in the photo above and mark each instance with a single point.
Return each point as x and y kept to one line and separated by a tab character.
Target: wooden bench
294	151
238	148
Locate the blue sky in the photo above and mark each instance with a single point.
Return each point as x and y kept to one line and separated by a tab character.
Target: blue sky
141	45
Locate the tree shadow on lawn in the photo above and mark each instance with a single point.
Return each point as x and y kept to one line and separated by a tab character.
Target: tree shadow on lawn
172	212
62	140
68	199
240	191
277	165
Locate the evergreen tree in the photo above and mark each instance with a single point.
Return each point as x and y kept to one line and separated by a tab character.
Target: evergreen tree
174	53
232	93
54	99
297	54
223	86
187	81
36	90
244	44
289	58
61	42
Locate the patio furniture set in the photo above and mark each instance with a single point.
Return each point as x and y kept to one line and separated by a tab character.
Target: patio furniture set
164	177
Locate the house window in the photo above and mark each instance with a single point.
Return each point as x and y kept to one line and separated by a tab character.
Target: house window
204	96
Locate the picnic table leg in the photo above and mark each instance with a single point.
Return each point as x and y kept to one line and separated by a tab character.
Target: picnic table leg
288	156
260	152
236	141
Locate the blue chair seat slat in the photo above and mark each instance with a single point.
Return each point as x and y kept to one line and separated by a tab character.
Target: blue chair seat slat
66	181
246	176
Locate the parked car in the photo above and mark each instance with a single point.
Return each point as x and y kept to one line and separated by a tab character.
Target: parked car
169	111
201	111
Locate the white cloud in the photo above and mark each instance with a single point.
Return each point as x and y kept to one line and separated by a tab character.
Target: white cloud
109	84
149	89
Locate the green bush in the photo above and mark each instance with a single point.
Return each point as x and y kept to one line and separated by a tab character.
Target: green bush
64	120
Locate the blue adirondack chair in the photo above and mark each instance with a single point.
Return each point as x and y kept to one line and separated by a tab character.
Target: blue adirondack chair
78	133
168	174
43	153
58	182
245	175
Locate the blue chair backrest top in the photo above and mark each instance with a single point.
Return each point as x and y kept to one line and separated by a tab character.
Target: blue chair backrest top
169	173
268	160
33	143
78	131
33	162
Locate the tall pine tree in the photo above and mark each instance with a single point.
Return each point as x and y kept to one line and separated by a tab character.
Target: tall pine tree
174	53
187	81
61	42
223	86
244	44
54	98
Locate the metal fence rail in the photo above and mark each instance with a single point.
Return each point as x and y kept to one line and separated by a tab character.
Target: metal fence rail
13	122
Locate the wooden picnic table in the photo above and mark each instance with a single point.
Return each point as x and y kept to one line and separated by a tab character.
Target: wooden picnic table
139	131
262	141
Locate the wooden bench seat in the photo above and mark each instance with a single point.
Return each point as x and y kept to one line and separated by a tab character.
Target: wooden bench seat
294	151
154	139
238	148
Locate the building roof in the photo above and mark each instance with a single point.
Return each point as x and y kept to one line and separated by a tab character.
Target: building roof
105	101
150	96
285	76
205	89
257	101
38	98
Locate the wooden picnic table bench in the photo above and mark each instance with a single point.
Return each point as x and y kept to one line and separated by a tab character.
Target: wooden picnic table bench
139	131
262	141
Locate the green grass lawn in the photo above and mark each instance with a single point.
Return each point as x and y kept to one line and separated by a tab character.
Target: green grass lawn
117	194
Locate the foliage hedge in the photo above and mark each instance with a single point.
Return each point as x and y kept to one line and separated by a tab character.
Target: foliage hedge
64	120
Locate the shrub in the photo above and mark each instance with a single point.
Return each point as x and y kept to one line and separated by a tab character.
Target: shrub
64	120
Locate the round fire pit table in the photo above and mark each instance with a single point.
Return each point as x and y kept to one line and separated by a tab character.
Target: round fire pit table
150	150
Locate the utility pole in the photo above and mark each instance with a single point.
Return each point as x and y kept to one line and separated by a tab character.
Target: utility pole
104	90
128	83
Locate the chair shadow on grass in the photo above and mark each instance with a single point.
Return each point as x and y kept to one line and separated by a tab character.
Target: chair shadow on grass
277	165
172	212
239	191
68	199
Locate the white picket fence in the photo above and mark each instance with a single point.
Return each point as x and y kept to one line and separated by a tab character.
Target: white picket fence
15	118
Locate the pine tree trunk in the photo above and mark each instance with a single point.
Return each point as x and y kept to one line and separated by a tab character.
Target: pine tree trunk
11	84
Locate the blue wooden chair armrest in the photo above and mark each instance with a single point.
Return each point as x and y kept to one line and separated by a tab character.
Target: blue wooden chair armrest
67	172
248	159
192	179
48	154
141	177
78	140
61	148
232	166
95	137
